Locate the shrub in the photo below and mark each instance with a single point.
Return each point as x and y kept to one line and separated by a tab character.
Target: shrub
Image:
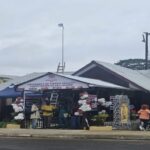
3	124
100	118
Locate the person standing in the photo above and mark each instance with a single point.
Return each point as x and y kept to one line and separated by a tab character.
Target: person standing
144	116
63	117
84	108
47	110
35	115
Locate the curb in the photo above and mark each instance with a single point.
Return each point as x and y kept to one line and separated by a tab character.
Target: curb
98	137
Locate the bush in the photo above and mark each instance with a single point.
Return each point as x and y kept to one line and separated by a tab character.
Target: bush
100	118
133	115
3	124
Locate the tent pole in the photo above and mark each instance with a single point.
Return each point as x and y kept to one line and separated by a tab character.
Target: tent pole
24	97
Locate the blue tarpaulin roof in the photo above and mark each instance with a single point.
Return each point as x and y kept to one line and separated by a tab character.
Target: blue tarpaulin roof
9	93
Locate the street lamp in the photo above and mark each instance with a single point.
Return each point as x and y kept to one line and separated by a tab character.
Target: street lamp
62	66
145	40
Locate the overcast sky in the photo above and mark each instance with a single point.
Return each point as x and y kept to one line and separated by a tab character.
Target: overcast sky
105	30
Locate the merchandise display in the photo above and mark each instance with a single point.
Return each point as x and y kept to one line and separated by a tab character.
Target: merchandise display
18	107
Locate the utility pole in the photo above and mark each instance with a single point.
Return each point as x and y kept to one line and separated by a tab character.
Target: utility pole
145	40
61	66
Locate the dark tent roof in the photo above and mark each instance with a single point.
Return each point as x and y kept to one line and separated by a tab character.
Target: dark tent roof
33	95
9	93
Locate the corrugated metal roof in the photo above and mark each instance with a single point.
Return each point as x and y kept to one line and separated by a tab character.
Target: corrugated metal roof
145	73
32	76
131	75
20	80
95	82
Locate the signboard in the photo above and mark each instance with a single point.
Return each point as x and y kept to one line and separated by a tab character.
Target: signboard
121	112
124	113
93	101
52	81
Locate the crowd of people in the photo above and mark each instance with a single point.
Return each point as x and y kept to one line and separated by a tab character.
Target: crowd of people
78	117
43	112
46	112
80	114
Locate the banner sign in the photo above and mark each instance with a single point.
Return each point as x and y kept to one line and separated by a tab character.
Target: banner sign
93	101
52	81
121	112
124	110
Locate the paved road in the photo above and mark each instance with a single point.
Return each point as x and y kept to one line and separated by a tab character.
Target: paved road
49	144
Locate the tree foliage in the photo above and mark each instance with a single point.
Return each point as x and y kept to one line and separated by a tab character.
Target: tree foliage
2	79
135	64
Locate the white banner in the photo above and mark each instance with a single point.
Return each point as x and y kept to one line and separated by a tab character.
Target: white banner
53	81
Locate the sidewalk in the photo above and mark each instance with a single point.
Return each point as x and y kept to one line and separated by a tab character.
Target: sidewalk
75	134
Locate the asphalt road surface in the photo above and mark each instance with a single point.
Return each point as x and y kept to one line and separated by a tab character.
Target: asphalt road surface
50	144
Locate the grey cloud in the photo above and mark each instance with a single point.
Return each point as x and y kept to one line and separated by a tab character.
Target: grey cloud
105	30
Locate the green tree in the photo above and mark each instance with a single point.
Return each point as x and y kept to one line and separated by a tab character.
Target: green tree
2	80
135	64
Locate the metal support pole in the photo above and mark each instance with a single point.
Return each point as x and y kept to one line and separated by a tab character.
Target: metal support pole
24	98
63	49
146	51
62	64
145	40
